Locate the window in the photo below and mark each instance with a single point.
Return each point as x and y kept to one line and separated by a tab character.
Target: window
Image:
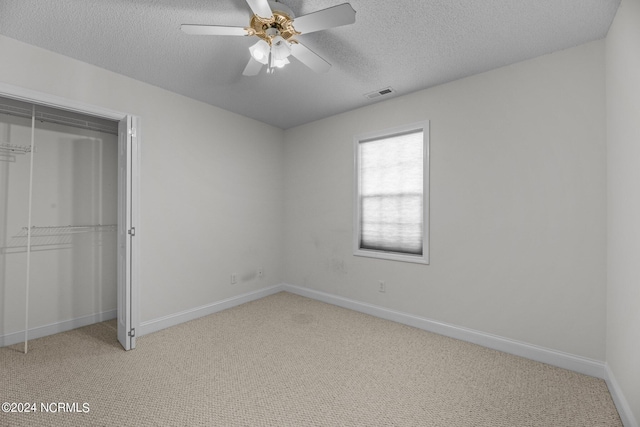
392	197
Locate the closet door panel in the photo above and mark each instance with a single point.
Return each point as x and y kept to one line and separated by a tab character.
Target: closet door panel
125	232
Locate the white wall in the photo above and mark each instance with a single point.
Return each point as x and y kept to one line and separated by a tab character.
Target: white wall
623	175
72	275
518	200
211	182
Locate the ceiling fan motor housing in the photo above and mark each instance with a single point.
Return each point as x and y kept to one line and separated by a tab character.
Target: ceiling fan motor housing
280	24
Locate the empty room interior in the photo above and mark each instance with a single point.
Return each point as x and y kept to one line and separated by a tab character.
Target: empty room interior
320	213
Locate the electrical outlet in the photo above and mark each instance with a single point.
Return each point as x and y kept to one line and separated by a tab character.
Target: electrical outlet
260	273
382	287
233	279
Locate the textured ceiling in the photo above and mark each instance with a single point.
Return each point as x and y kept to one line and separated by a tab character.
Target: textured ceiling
406	44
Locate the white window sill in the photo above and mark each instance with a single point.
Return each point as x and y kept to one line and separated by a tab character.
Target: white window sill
391	256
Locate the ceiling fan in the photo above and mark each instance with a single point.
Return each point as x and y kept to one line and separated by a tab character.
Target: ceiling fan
276	27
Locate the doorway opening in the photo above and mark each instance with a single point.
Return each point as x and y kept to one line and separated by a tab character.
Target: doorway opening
68	191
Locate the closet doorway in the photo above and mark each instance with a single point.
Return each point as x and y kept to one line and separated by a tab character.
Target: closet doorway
68	235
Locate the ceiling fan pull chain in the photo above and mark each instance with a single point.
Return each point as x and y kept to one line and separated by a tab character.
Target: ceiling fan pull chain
270	63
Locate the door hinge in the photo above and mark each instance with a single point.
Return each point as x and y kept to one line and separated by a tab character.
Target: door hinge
132	332
132	231
132	132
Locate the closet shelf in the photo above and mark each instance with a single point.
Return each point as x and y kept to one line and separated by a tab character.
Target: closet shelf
65	229
56	237
18	149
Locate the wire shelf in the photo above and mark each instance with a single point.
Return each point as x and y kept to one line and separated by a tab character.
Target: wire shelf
53	237
16	149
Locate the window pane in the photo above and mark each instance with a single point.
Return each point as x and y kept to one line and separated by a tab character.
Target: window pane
391	193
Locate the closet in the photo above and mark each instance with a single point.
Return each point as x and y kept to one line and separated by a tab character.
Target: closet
58	219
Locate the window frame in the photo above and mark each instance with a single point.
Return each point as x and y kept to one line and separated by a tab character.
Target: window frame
381	134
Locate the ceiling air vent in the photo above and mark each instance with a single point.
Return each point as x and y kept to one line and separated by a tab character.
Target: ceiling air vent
382	92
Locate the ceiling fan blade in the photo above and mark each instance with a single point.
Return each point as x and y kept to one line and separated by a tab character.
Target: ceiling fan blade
332	17
253	68
213	30
260	8
309	58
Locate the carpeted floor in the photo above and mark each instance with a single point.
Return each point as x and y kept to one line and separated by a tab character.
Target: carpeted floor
286	360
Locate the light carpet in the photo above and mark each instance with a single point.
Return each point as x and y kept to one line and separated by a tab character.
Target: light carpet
286	360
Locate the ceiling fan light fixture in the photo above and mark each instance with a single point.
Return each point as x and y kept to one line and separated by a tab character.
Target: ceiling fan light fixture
279	63
280	48
260	51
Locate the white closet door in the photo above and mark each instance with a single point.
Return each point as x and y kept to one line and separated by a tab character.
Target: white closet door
127	156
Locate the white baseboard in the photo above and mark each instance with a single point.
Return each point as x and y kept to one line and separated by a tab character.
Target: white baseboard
164	322
55	328
628	420
560	359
